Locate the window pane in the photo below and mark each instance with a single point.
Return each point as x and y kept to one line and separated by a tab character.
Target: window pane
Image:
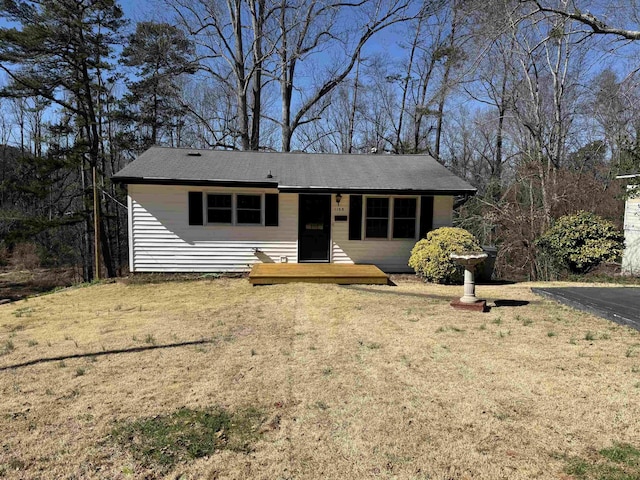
404	208
378	207
404	228
404	218
249	201
377	227
215	215
248	216
248	209
218	208
219	201
377	218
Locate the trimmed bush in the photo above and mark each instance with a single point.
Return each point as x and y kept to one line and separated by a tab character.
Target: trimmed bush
430	256
582	241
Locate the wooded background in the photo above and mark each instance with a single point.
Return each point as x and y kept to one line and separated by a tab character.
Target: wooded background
536	103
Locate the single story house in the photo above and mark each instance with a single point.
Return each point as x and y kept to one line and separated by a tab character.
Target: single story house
223	211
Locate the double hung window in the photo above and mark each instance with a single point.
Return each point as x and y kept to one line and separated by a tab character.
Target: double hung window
390	217
404	218
234	209
377	221
248	209
219	208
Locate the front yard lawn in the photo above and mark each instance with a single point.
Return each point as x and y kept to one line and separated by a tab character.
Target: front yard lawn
218	379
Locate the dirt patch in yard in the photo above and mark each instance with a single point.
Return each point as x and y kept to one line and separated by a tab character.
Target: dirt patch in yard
350	381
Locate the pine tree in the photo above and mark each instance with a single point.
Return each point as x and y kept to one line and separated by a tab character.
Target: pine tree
160	53
59	50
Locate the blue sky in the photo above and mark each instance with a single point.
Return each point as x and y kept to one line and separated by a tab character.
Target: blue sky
621	58
137	9
140	10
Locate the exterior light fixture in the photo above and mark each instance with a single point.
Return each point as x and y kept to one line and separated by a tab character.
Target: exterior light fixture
338	198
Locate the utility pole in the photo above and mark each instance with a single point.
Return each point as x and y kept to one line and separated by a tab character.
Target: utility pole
96	227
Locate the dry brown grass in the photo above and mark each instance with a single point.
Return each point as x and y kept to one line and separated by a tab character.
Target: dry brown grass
357	382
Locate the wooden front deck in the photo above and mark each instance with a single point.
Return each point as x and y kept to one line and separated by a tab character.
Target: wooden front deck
271	273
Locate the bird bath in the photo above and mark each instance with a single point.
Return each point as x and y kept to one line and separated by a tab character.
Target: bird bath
469	260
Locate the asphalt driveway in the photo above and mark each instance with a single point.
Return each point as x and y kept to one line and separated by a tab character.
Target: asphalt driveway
618	304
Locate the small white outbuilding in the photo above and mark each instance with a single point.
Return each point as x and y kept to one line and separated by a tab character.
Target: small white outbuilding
631	255
224	211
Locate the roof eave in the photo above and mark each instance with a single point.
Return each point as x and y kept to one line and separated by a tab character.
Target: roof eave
377	191
191	182
292	188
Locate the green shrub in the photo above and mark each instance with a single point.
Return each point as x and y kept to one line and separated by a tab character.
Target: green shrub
582	241
430	256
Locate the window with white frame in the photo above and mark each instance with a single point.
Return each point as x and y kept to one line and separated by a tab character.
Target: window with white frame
234	209
390	217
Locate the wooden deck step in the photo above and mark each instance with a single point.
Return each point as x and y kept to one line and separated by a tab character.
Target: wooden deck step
272	273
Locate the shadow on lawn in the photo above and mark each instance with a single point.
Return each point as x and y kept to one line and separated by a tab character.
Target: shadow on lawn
106	352
446	298
512	303
426	296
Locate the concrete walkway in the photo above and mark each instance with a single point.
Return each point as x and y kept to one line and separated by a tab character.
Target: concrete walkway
618	304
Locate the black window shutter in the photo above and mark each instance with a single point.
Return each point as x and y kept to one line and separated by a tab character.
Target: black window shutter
271	209
196	216
426	216
355	217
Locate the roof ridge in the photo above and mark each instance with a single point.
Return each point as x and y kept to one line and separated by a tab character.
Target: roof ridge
274	152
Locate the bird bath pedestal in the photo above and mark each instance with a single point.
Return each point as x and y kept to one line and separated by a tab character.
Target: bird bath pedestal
469	301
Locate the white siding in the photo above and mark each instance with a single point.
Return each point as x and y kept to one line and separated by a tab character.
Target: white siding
388	255
631	255
163	240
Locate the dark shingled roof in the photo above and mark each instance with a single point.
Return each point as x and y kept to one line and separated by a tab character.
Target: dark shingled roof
293	171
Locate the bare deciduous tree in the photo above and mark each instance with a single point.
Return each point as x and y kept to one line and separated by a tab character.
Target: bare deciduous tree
310	26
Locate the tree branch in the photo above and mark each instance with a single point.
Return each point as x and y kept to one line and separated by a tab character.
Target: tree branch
596	25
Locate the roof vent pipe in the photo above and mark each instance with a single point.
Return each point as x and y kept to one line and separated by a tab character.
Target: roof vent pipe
269	174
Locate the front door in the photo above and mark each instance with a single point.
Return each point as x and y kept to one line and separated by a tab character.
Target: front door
314	228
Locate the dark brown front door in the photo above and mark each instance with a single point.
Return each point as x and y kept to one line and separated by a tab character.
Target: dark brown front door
314	228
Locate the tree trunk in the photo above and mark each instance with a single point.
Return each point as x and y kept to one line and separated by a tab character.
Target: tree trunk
93	137
258	13
419	114
399	145
235	12
352	113
445	81
87	270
